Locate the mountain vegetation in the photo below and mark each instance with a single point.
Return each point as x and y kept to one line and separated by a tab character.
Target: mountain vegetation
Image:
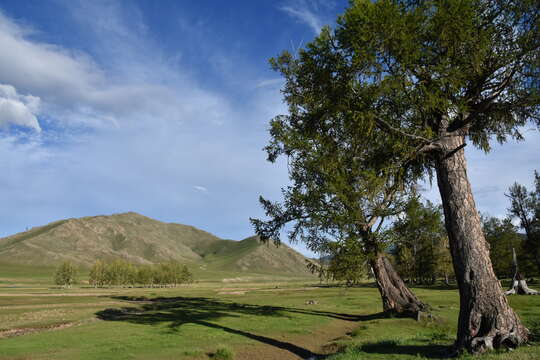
137	239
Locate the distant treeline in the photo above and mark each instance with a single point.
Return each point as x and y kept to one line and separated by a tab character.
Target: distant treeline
123	273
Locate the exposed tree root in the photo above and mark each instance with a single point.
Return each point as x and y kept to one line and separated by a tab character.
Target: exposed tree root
520	287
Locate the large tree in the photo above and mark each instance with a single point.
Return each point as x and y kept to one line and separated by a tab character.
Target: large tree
429	76
343	189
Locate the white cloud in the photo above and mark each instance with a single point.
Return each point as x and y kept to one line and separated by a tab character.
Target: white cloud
18	109
269	82
200	188
305	12
44	68
77	92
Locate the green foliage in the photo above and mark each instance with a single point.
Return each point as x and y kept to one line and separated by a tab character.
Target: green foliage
347	263
502	237
97	275
374	101
223	353
525	206
431	67
421	243
122	273
65	274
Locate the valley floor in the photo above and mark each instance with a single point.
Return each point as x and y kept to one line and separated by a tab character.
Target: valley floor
261	318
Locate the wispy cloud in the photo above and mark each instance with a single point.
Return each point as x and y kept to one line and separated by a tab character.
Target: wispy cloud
307	12
268	82
200	188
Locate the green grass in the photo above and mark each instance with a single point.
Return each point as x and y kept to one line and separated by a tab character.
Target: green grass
191	322
406	339
223	353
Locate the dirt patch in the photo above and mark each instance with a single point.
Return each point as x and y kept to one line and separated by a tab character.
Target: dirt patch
290	289
68	305
30	330
49	295
231	293
323	341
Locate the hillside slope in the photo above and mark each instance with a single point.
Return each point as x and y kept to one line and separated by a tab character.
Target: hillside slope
139	239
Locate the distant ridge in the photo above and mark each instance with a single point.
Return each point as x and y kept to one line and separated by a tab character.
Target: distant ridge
140	239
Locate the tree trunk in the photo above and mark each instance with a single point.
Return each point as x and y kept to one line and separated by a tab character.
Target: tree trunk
486	321
397	298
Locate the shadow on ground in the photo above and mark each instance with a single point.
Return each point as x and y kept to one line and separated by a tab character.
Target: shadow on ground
429	351
177	311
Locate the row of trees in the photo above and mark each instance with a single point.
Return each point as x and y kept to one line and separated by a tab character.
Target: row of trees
123	273
419	246
504	237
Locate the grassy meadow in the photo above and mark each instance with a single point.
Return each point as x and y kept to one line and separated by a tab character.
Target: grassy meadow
255	317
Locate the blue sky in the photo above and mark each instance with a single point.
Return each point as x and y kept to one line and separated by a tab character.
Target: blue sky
162	107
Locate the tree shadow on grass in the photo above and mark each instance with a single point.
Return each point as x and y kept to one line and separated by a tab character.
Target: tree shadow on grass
210	306
178	311
430	351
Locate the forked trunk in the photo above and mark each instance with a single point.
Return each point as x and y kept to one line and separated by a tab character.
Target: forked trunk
397	298
486	320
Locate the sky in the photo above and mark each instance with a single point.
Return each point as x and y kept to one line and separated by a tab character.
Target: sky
162	108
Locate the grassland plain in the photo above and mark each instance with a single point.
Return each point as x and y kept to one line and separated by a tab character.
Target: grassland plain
255	317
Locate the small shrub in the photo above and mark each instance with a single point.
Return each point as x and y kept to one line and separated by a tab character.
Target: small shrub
223	353
193	353
439	334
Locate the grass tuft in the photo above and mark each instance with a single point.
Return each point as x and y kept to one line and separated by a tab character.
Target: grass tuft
223	353
358	331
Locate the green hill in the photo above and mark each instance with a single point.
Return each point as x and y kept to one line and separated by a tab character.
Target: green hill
139	239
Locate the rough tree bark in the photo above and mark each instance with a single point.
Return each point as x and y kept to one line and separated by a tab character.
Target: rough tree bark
486	321
397	298
519	284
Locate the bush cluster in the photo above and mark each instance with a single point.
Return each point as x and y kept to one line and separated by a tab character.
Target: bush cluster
123	273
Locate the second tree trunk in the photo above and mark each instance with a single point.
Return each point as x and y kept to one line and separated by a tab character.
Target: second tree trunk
397	298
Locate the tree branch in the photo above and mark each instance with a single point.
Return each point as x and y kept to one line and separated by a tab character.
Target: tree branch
383	125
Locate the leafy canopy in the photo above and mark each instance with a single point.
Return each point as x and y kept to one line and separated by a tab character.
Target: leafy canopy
371	102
